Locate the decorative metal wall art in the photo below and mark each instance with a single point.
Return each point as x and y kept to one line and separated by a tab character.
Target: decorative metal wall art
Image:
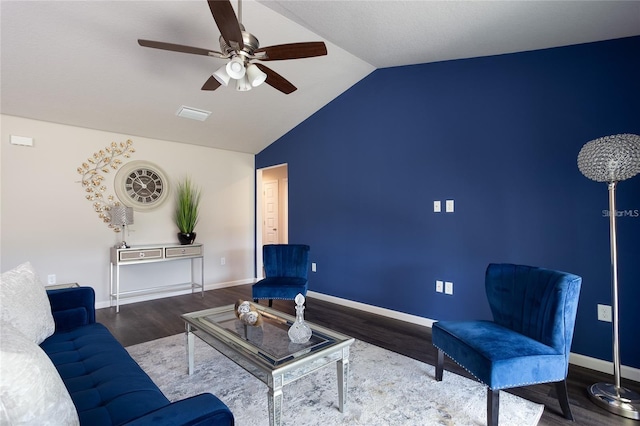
93	180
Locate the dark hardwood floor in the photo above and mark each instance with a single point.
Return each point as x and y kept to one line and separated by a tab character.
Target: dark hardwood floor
145	321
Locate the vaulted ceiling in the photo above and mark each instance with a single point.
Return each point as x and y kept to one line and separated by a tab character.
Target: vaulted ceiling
79	63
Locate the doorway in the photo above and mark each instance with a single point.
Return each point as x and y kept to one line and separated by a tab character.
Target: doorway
272	209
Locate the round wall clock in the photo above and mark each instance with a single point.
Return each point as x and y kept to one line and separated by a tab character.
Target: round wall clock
141	185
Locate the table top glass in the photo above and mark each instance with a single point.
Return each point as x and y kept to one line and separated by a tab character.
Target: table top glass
268	343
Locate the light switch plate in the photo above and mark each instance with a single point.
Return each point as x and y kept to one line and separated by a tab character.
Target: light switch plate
449	206
439	286
437	206
448	287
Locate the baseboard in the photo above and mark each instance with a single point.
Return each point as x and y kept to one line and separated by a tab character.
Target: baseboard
170	293
576	359
373	309
604	366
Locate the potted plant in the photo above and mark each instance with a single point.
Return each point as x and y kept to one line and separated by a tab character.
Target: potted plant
186	212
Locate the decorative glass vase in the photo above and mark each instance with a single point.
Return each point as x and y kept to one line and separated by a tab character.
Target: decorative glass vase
299	331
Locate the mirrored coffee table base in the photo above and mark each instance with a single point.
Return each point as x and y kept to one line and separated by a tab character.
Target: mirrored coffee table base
266	351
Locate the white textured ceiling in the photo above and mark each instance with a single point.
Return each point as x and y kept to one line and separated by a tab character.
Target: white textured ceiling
79	63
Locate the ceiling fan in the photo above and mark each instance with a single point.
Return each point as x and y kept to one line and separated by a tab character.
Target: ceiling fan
241	48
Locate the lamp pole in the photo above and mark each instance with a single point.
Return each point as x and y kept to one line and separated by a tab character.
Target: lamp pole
614	277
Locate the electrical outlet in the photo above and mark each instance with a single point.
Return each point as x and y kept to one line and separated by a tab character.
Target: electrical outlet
448	287
223	261
51	279
313	267
604	313
439	286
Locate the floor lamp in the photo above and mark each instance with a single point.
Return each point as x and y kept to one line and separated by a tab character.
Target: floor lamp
613	159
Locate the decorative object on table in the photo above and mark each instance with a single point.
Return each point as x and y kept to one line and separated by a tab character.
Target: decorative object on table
92	171
121	216
612	159
142	185
187	210
299	331
247	313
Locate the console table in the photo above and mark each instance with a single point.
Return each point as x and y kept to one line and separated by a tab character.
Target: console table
150	254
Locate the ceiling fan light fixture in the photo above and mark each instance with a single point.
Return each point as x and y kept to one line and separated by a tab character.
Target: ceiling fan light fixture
235	68
221	75
255	75
243	85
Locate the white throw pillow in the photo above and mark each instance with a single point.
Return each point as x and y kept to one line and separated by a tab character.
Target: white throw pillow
24	303
31	390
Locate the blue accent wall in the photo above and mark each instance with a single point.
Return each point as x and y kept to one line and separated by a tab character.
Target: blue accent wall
500	135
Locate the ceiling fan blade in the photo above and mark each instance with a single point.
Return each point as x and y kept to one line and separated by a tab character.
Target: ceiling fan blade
211	84
292	51
277	81
227	23
179	48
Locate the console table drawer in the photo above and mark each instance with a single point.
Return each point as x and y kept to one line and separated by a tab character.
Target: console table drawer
183	251
143	254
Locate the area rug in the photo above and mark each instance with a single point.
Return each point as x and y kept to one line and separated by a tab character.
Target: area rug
385	388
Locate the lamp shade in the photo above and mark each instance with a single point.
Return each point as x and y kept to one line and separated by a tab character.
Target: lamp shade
235	68
611	158
121	215
221	75
243	85
255	75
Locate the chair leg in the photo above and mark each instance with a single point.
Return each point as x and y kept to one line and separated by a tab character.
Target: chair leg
563	398
255	300
493	406
270	303
439	365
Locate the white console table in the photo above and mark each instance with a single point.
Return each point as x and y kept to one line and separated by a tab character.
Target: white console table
149	254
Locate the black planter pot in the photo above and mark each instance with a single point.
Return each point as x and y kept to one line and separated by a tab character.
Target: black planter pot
186	238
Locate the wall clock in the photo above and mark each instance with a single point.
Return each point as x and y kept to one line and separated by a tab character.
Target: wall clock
141	185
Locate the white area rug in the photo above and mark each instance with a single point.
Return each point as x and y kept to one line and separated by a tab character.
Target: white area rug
384	389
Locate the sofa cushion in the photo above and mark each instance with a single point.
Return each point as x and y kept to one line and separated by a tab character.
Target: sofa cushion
31	390
25	304
106	384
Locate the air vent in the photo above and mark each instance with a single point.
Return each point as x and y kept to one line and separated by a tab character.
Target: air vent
193	113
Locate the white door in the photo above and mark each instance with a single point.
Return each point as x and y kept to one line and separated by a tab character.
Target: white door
270	233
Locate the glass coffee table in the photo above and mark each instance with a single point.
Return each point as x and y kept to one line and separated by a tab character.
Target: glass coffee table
266	351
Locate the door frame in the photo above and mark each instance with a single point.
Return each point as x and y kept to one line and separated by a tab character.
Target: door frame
259	217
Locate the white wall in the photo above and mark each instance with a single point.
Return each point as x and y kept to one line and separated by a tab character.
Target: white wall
46	219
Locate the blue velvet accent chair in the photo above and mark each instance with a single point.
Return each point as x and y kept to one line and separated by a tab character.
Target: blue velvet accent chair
529	339
286	270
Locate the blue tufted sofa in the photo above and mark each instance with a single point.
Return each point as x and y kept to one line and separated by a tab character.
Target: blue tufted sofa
106	385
